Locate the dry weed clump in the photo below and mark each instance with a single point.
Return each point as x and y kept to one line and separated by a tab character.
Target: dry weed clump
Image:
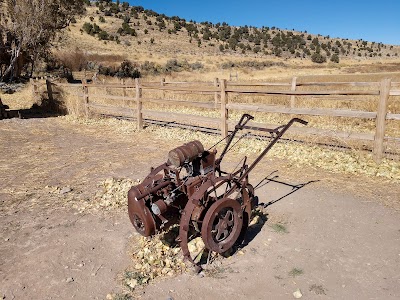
22	99
112	195
73	103
153	258
73	60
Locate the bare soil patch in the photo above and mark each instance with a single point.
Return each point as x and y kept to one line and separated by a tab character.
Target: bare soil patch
334	238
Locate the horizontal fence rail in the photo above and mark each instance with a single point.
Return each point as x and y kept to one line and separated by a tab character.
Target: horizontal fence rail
221	89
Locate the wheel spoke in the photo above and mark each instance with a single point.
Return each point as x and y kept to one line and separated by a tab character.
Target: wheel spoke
218	236
218	225
229	217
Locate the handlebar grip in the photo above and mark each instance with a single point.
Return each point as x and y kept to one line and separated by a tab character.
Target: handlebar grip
301	121
243	121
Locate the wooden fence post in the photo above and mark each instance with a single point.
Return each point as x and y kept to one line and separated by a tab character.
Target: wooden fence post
163	84
85	96
139	114
216	93
224	111
124	88
124	92
49	91
35	91
293	88
233	76
379	149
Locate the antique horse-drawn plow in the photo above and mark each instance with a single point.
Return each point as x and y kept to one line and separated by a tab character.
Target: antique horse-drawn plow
192	190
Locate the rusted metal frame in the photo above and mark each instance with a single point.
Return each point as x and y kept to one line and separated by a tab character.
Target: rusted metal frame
154	189
243	179
242	122
271	144
255	128
229	216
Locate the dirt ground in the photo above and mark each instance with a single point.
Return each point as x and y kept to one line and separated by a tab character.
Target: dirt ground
338	235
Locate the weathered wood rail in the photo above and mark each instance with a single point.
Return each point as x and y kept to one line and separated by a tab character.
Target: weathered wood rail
221	89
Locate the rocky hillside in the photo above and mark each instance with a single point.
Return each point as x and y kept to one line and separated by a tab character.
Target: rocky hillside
138	29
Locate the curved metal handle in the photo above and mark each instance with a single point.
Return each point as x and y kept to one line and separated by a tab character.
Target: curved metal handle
245	118
301	121
279	132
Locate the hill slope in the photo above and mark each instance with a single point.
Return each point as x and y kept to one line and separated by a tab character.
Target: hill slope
140	35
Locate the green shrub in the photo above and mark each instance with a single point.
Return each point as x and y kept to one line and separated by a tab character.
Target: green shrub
150	68
335	58
172	65
127	69
125	29
87	27
103	35
318	58
253	64
256	49
197	66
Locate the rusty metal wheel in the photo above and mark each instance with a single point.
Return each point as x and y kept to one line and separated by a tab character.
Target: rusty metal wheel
222	225
138	224
143	222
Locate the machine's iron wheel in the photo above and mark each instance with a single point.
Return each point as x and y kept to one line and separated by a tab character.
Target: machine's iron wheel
144	224
222	225
138	224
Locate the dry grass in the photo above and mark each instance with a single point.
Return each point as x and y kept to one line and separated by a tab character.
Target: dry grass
77	60
73	100
337	161
154	258
20	100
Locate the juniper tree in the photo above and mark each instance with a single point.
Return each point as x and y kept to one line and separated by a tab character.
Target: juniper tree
27	28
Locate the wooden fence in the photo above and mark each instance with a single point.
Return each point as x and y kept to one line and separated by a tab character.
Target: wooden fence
221	91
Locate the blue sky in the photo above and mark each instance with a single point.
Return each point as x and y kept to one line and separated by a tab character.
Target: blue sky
377	21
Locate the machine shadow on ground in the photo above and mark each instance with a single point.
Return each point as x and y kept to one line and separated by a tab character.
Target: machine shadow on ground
254	229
